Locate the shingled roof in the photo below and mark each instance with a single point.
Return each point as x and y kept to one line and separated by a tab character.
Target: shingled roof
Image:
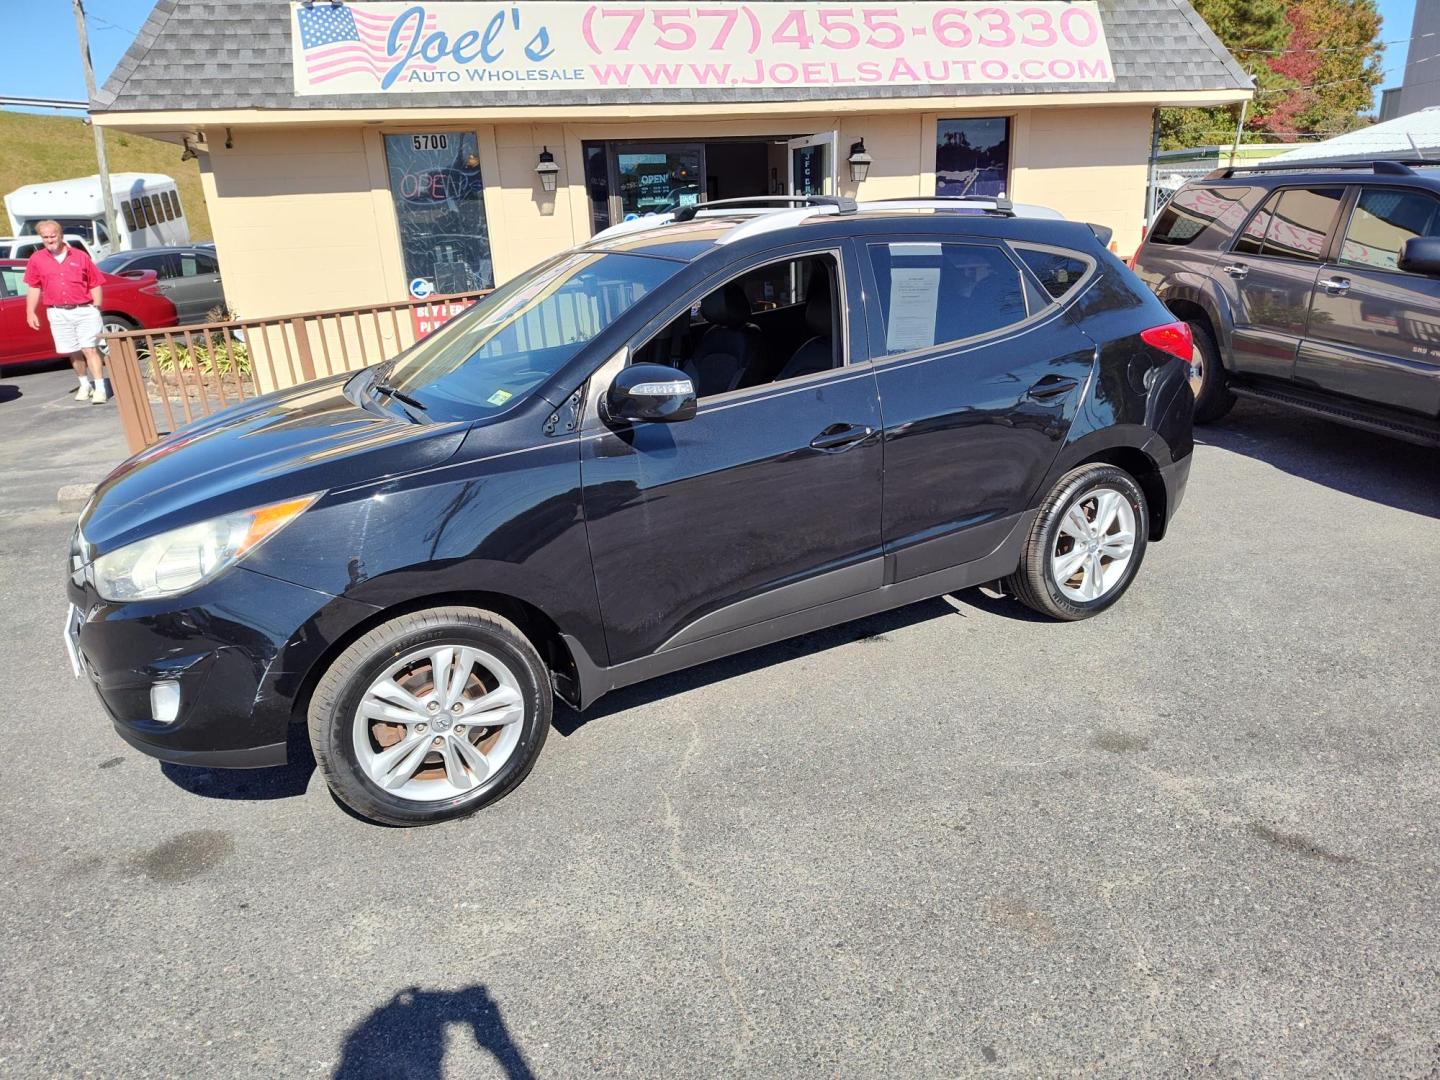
235	54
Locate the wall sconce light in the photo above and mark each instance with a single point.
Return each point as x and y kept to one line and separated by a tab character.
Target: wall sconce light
859	162
191	151
547	170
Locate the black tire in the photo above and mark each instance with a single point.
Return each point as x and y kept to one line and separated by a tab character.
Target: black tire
1214	398
334	706
1034	584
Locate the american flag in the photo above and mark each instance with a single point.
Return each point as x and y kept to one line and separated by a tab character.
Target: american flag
343	41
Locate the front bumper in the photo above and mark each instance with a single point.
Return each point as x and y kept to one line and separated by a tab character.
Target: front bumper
238	648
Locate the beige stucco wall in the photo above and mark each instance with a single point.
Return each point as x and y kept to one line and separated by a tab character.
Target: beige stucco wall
1090	164
303	218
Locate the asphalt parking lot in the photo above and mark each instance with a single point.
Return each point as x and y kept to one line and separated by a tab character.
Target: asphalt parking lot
1195	836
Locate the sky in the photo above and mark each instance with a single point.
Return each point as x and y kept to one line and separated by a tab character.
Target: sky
42	59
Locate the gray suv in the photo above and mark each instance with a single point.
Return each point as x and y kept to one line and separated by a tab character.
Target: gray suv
1315	287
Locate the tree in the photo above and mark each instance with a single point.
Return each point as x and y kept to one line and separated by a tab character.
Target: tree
1333	58
1315	63
1251	29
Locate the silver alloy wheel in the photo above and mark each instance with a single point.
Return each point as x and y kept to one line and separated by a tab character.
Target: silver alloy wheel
1094	545
438	723
1197	370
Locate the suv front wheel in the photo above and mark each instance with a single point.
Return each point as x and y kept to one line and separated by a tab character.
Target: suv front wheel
1085	546
431	716
1213	398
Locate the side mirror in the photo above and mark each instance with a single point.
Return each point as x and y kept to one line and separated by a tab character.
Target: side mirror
650	393
1421	255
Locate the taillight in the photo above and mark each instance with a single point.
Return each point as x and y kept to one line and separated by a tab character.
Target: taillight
1174	338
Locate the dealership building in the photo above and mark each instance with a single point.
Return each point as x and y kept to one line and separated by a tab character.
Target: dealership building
355	153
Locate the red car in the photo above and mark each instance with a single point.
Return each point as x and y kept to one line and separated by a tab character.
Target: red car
129	302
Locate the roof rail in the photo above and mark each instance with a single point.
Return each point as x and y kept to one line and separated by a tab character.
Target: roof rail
1381	166
997	203
782	219
764	202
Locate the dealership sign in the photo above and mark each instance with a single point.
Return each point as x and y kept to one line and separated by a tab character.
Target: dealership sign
394	48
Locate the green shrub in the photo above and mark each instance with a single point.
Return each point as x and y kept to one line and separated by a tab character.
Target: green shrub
206	357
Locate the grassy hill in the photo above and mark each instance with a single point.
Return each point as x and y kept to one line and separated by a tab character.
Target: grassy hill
36	148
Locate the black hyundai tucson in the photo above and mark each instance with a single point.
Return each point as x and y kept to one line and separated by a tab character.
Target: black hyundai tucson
656	449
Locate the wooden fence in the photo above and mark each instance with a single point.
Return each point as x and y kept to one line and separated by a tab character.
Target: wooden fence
165	378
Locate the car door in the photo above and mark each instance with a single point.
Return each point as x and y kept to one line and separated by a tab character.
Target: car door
1269	275
767	501
1374	331
17	341
980	373
195	289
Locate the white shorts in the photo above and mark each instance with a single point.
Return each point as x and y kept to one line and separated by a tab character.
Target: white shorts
74	328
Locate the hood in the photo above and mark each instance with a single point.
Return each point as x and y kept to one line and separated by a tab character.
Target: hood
291	443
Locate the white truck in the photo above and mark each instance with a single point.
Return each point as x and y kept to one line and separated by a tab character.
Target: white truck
147	211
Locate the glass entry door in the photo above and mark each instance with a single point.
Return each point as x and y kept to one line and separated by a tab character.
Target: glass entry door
812	165
658	178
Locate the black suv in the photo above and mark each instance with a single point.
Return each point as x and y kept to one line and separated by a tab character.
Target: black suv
1313	285
654	450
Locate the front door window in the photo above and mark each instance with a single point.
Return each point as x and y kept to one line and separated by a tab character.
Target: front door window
654	180
772	323
812	165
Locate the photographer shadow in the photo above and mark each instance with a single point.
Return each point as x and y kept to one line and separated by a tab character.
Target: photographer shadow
405	1037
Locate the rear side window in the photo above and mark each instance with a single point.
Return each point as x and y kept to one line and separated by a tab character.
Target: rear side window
192	264
1294	223
1381	223
1195	209
129	212
931	293
163	265
1058	272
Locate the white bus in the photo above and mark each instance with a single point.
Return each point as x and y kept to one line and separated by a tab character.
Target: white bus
147	211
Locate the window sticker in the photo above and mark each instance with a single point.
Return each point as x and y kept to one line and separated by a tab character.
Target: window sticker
914	299
499	397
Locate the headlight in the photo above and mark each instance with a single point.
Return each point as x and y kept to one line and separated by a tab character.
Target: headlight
181	559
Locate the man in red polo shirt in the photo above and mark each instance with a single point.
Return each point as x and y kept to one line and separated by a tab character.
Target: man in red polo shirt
67	282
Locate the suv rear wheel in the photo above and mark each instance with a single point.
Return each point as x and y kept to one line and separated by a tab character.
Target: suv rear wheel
431	716
1085	546
1213	398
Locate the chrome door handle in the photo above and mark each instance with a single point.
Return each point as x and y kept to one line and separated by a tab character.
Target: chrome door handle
841	437
1335	285
1236	270
1051	386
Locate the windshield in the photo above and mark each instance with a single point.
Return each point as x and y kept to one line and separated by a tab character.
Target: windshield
521	334
112	264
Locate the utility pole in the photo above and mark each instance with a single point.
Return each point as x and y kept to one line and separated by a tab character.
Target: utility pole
105	192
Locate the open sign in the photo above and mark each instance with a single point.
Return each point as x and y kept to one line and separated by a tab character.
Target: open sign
437	185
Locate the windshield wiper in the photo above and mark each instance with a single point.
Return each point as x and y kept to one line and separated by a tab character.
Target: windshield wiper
385	388
378	385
